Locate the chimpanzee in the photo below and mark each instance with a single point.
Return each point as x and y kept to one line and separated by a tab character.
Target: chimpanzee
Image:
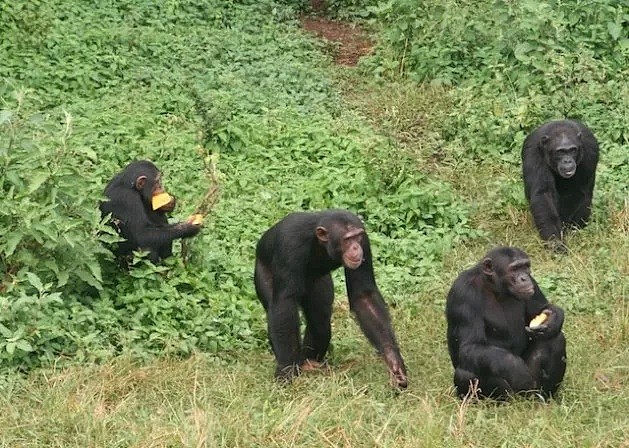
133	215
559	165
492	337
294	259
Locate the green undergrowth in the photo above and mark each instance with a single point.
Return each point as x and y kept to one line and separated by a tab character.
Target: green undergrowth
89	89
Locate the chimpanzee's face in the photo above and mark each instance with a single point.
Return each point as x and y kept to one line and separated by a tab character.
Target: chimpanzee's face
510	273
343	243
351	247
518	279
148	184
563	153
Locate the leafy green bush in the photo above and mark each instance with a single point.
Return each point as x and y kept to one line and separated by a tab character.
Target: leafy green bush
522	44
337	9
47	215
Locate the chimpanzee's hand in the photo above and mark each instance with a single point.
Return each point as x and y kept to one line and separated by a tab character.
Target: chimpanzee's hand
537	331
196	219
397	369
548	327
310	364
557	246
398	377
188	229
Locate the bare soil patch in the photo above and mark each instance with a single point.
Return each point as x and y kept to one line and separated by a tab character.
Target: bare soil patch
352	43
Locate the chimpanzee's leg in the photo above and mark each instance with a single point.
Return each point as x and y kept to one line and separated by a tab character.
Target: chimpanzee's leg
283	324
580	215
546	360
486	386
317	307
283	321
263	280
165	251
464	380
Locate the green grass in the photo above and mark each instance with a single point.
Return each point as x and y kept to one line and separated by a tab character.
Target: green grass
177	356
207	402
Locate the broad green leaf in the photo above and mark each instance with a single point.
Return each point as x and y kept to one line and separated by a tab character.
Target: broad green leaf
13	239
95	270
89	153
5	331
24	346
88	278
5	115
521	51
615	30
36	181
34	280
62	278
54	297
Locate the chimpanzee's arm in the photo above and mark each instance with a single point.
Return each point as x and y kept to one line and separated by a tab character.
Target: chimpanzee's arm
539	186
150	236
134	224
373	317
544	204
583	209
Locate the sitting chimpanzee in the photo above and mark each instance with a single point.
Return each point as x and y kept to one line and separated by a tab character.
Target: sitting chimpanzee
494	342
294	259
559	165
134	216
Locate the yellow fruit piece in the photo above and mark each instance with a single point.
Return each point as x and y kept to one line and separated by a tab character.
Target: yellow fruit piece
160	200
538	320
196	219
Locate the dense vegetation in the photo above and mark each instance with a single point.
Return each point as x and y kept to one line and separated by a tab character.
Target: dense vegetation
422	140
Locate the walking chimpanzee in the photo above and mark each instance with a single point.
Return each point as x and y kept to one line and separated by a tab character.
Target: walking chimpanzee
294	259
559	166
502	332
138	218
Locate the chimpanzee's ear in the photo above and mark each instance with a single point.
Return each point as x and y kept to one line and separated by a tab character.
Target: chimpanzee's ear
140	182
543	141
322	234
488	268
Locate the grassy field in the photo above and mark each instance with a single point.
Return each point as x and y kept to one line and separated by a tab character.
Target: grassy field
233	401
177	356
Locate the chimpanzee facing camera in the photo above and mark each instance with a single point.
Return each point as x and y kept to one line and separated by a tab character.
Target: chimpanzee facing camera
504	337
559	166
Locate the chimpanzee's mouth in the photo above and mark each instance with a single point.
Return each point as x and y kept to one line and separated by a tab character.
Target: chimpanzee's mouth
567	174
353	263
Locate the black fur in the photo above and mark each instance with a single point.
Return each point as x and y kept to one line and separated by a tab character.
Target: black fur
134	218
293	270
559	166
488	336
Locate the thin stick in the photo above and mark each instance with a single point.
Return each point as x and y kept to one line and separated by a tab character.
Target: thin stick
210	198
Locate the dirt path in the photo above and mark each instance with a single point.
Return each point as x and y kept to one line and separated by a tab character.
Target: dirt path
352	43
